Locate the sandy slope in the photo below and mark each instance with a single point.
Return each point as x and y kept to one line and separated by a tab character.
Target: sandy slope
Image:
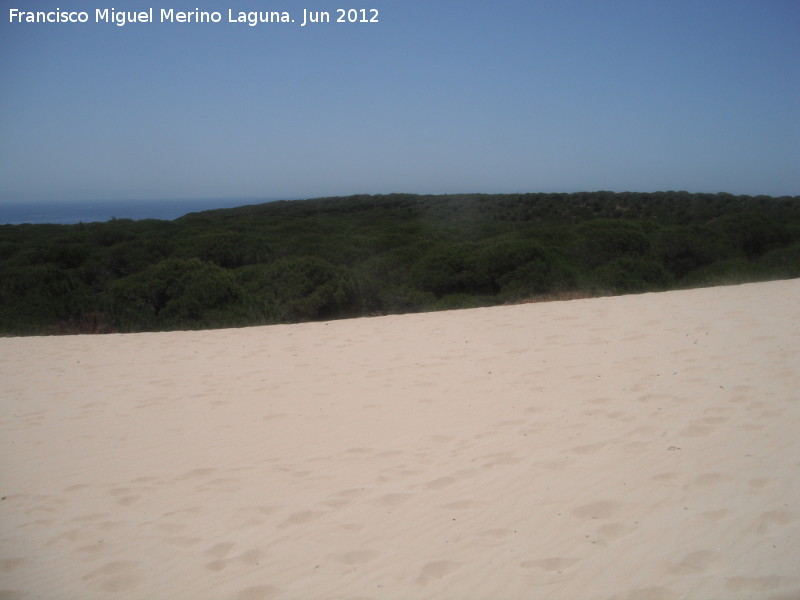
640	447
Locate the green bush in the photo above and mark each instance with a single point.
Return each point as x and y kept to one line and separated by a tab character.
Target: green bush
35	296
226	249
456	301
57	252
499	263
784	262
7	250
753	233
293	289
723	272
684	249
127	258
446	269
631	275
111	232
545	274
385	281
602	240
174	293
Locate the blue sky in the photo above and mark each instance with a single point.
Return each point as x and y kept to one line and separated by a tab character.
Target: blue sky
440	96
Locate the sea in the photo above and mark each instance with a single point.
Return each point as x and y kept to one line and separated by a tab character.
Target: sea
68	213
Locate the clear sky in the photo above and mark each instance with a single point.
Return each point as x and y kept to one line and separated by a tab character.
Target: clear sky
439	96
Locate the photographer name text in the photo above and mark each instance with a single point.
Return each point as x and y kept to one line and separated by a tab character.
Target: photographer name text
121	18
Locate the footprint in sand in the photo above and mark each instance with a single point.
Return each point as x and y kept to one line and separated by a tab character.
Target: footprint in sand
220	550
73	535
217	565
249	558
649	593
464	505
587	448
76	487
493	537
254	514
436	570
759	482
712	420
195	473
169	528
715	515
128	500
696	430
9	564
440	483
555	564
694	563
772	519
612	531
637	447
706	480
501	460
121	491
299	518
598	510
392	499
190	510
259	592
140	480
118	576
600	400
666	476
441	439
356	557
360	451
343	498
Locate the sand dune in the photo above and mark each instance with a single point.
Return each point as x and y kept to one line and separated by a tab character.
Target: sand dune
629	448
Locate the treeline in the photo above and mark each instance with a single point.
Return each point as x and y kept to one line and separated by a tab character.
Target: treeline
343	257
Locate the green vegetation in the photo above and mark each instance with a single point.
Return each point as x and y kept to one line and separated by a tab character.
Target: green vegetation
342	257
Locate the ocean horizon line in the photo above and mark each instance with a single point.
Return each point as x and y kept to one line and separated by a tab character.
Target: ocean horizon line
93	211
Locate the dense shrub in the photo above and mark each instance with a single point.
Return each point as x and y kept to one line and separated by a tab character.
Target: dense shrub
385	281
227	249
631	275
33	296
126	258
454	302
602	240
545	274
7	250
446	269
86	323
338	257
723	272
176	292
683	249
111	232
499	263
753	233
293	289
784	262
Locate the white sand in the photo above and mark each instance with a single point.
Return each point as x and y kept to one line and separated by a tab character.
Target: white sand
639	447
